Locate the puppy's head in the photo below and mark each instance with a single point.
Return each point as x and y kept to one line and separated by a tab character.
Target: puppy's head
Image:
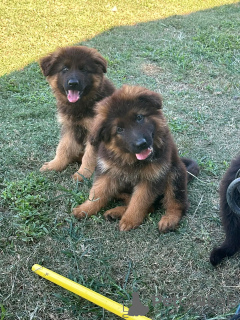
74	70
129	122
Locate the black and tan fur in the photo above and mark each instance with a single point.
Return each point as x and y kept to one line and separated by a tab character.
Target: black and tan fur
137	161
76	76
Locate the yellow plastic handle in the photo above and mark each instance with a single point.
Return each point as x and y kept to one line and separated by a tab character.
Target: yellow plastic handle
86	293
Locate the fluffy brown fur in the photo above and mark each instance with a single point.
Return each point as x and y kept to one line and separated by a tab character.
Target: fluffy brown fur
137	161
76	76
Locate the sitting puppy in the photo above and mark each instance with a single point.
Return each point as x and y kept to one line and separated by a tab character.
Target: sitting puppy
137	161
76	76
230	213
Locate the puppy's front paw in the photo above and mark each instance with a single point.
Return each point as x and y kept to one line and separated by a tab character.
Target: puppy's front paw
52	165
168	223
83	173
77	177
45	167
79	212
126	224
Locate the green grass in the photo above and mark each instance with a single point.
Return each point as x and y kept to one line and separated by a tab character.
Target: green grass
31	28
24	197
193	61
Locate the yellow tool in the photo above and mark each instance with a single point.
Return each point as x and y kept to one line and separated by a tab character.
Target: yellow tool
86	293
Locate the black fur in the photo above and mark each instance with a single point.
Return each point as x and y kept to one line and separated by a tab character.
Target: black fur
192	168
230	220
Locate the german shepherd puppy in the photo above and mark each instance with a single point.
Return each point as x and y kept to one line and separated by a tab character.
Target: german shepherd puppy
230	213
137	161
76	76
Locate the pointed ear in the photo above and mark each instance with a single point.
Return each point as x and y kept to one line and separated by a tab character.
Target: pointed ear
100	61
48	64
152	98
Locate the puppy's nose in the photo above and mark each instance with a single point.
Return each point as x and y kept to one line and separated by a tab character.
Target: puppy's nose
141	144
73	83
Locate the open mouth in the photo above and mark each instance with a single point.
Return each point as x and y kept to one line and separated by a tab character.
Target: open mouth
73	95
144	154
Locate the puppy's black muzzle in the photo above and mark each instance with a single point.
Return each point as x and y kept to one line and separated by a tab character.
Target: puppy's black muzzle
140	145
73	84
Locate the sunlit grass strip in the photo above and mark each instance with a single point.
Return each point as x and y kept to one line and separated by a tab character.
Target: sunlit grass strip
30	29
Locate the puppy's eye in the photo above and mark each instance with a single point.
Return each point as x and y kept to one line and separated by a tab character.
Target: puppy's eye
83	69
139	118
65	69
120	130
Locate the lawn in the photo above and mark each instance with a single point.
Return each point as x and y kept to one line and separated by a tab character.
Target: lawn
187	51
31	28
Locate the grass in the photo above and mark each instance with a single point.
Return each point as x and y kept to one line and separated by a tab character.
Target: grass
193	61
31	28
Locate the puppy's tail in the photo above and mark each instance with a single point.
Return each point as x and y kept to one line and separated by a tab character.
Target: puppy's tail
192	168
230	217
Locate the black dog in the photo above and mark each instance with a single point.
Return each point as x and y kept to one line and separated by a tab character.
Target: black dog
230	213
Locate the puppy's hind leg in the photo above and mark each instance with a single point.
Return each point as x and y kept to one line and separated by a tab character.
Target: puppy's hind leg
118	212
174	201
115	213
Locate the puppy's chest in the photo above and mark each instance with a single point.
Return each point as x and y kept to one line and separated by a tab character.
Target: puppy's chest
78	129
129	175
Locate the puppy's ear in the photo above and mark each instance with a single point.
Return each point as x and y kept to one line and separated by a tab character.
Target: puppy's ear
96	132
152	98
48	65
99	132
100	61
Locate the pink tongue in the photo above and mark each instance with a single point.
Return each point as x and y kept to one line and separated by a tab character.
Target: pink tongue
73	96
144	154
